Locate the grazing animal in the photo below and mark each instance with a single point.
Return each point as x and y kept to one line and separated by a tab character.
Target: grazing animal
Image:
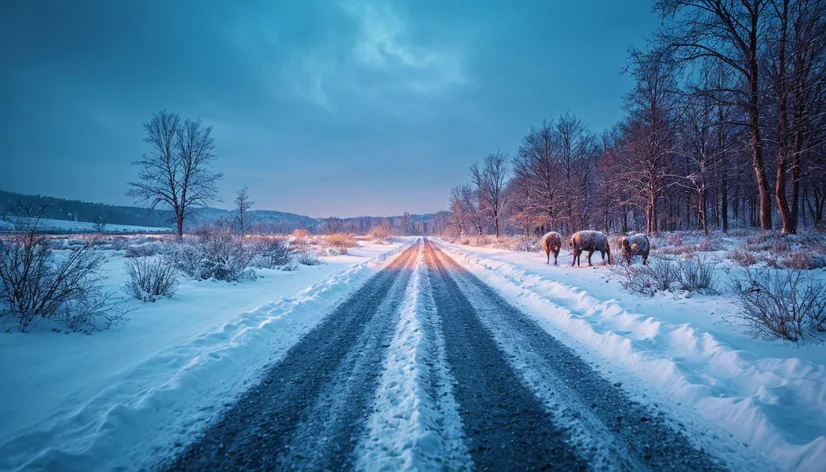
552	243
590	241
635	245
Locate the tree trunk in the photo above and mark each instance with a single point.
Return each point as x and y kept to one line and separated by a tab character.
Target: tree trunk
721	143
782	128
754	126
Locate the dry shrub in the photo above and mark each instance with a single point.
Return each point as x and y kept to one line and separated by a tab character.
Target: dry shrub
789	304
803	261
149	278
767	242
340	240
332	251
379	232
710	245
301	233
143	250
742	257
37	284
271	253
646	280
484	240
307	258
214	253
686	250
694	274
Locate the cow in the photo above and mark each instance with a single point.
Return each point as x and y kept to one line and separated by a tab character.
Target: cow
590	241
552	243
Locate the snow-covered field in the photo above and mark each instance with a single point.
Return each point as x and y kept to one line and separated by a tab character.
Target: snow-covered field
681	353
46	224
118	398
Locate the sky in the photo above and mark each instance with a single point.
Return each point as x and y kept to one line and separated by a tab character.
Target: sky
321	107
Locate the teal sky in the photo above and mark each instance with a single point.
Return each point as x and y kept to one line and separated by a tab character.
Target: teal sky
321	107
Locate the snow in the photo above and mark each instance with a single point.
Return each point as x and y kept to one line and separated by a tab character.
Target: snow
403	432
119	398
740	397
46	224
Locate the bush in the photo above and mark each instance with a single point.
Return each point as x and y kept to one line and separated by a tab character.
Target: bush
218	254
710	245
743	258
143	250
38	284
272	253
149	279
332	251
301	234
307	258
803	261
696	274
787	304
659	275
186	257
379	233
340	240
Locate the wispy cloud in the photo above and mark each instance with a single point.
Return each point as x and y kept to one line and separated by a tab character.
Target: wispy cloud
384	45
381	64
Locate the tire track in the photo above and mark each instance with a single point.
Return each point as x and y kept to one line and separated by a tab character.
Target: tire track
506	425
309	410
608	429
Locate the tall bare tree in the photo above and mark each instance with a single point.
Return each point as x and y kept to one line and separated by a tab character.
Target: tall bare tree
490	186
651	104
243	203
177	171
536	166
729	33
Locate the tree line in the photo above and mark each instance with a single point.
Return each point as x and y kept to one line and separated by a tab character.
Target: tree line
724	126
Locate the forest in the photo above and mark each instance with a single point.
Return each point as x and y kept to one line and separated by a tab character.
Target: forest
724	127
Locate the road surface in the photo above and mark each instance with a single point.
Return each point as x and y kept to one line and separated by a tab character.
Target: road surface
488	390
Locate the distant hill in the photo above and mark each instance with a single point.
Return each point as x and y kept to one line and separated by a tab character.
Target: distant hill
268	221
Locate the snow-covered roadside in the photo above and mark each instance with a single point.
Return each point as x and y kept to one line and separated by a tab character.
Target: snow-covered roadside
677	353
125	396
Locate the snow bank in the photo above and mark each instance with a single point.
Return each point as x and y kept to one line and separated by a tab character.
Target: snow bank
730	390
409	429
125	397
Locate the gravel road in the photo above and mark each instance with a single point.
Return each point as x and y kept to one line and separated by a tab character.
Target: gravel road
506	395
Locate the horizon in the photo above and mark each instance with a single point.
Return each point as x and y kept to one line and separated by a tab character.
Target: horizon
229	209
331	109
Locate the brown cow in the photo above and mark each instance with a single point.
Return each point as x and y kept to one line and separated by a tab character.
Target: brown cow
552	243
590	241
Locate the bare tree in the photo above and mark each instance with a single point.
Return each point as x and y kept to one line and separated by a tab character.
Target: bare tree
458	211
536	166
99	225
242	206
332	226
490	186
651	105
178	170
728	33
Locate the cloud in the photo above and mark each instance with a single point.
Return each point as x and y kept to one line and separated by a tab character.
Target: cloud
380	64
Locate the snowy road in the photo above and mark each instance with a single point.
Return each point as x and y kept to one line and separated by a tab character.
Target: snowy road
426	367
